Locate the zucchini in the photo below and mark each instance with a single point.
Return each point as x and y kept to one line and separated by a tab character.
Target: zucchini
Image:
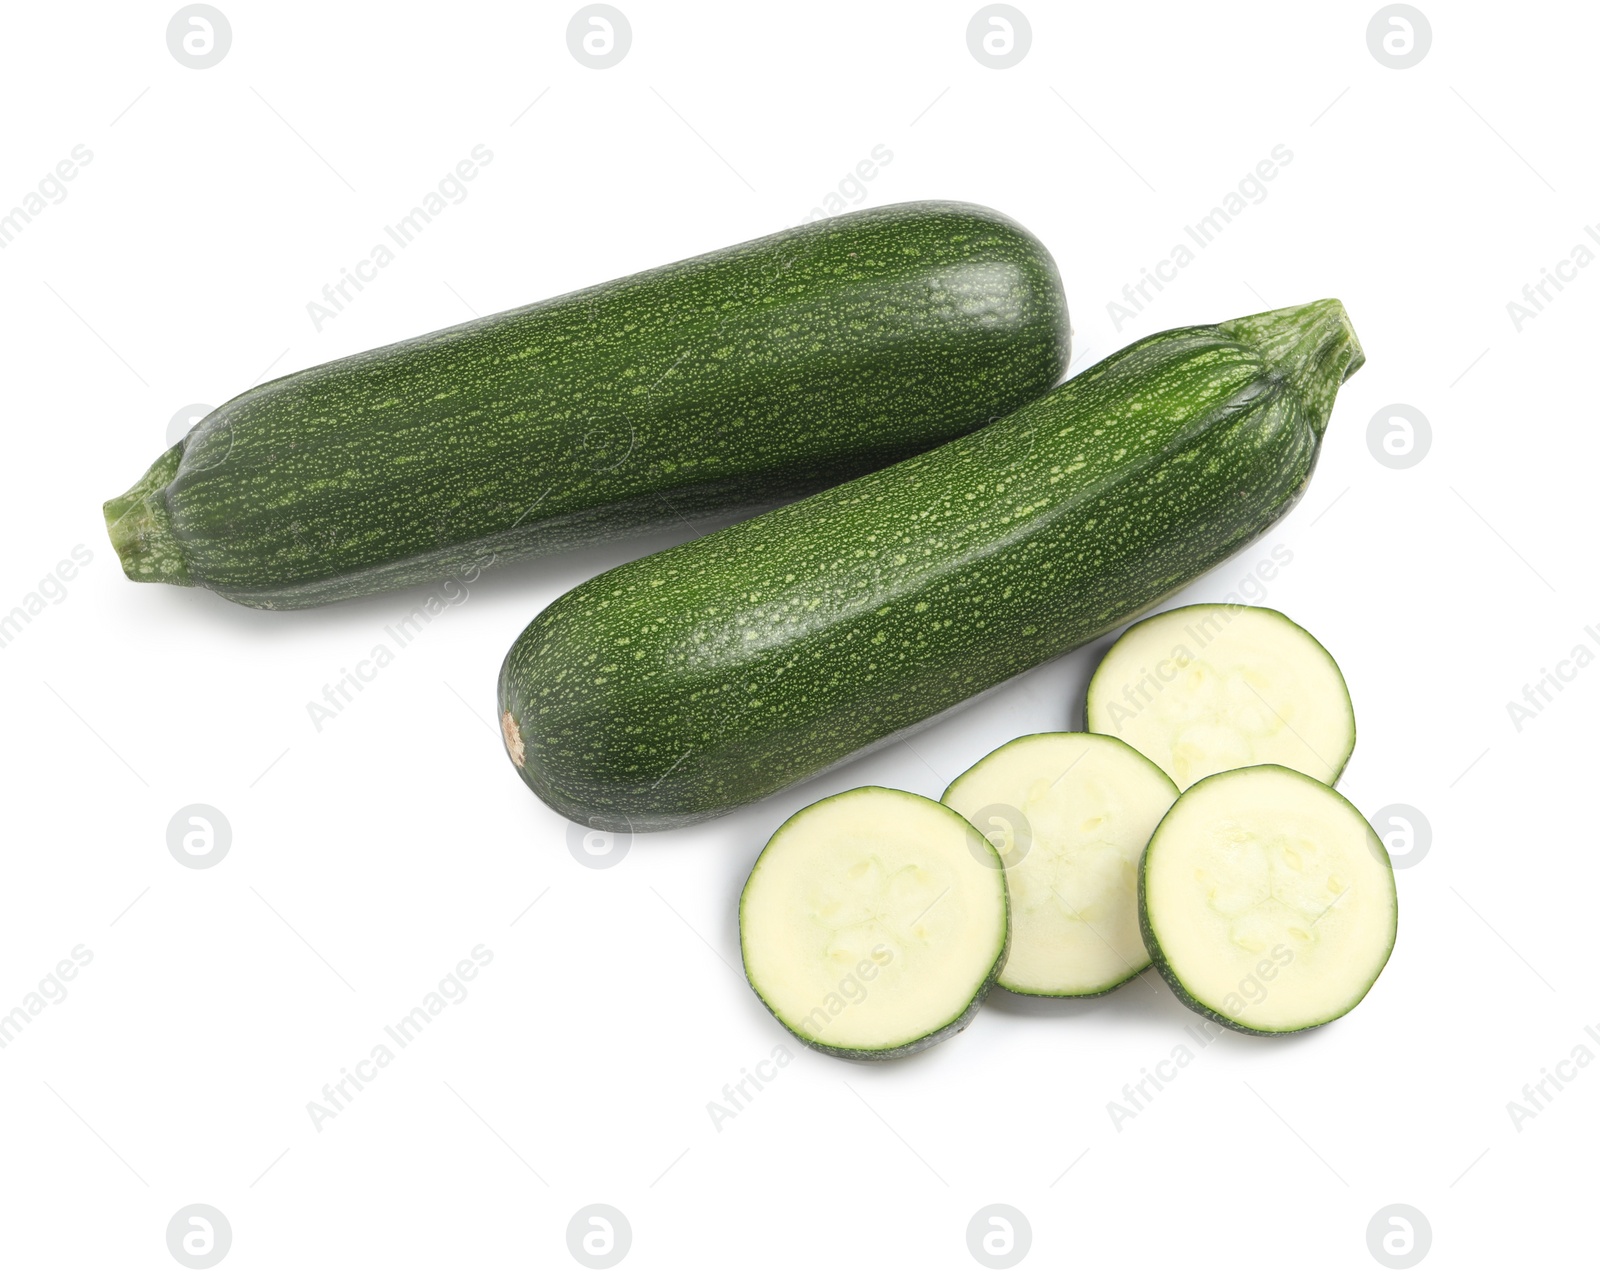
1069	815
1214	687
724	383
1267	901
874	923
684	684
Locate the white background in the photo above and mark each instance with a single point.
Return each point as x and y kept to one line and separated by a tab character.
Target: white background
369	857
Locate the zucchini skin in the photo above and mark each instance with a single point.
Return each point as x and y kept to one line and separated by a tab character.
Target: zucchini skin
722	384
922	1044
687	683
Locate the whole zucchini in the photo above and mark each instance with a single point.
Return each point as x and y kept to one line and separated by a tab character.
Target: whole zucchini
727	382
686	683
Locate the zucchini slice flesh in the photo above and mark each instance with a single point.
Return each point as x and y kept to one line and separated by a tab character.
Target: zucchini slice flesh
874	923
1203	689
1267	901
1070	814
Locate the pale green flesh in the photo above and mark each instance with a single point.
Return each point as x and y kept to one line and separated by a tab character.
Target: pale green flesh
1268	900
1203	689
1069	814
873	920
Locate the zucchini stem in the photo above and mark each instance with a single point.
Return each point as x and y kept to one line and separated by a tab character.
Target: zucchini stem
1313	347
140	525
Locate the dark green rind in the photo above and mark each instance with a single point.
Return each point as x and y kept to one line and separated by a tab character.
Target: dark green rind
956	1024
682	685
729	382
1088	694
1072	995
1152	944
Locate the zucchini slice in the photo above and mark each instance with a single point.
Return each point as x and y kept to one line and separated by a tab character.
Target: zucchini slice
1267	901
1070	814
874	923
1214	687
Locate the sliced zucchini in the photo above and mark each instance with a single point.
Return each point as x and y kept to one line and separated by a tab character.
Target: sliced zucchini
1070	814
874	923
1214	687
1267	901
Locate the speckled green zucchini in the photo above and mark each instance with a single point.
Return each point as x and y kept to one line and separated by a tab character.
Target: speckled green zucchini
721	384
686	683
